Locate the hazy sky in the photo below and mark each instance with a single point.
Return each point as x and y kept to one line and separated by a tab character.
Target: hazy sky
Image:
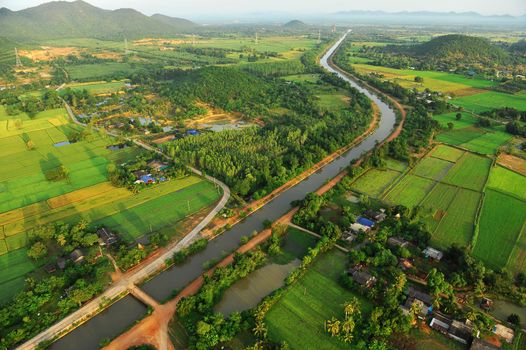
195	8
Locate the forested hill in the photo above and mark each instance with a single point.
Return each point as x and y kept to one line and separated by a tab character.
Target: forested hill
61	19
460	47
295	24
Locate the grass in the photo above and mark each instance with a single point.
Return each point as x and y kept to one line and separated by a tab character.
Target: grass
316	297
375	181
100	70
490	100
507	181
303	78
471	172
501	222
410	191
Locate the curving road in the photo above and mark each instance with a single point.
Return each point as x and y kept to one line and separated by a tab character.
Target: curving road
161	287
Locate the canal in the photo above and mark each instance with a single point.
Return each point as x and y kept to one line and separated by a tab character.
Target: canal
161	287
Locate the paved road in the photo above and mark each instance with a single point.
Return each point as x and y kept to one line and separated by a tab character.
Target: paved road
122	287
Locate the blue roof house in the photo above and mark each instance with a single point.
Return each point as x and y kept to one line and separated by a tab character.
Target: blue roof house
365	222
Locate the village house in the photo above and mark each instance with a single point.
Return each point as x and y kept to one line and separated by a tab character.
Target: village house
504	332
77	256
433	253
365	222
357	228
106	237
440	323
377	216
397	242
157	165
461	332
363	278
405	264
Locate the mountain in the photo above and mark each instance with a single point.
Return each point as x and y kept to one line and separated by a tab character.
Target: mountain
178	23
295	24
61	19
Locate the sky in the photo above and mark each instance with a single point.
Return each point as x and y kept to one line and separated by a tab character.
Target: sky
196	8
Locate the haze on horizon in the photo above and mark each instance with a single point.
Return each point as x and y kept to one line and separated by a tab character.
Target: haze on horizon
232	8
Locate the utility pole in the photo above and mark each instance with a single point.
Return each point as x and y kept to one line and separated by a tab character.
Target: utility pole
18	63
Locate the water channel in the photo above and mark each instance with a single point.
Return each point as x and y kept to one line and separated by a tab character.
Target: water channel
113	321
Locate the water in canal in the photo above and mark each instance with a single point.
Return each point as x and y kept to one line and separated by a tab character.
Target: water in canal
162	286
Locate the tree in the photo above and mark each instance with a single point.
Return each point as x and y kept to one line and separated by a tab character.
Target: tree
514	319
419	79
37	251
450	126
458	116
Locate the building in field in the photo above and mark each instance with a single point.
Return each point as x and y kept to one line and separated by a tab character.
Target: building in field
433	253
106	237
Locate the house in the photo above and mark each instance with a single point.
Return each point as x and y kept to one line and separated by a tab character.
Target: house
139	173
419	295
157	165
461	332
504	332
377	216
397	242
106	237
357	228
142	242
479	344
77	256
440	323
349	237
50	268
366	222
363	278
433	253
146	179
192	132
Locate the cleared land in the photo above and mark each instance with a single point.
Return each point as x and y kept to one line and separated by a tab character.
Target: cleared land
315	298
502	220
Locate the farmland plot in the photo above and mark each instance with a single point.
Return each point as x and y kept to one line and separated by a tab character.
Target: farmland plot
410	191
432	168
446	153
375	181
507	181
471	171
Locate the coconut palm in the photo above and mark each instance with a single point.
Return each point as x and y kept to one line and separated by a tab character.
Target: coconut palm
333	326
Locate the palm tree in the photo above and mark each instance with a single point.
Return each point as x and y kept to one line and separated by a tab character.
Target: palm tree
414	311
333	326
260	330
351	307
348	329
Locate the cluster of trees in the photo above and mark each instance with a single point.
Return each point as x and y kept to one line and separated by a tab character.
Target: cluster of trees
44	301
17	101
257	160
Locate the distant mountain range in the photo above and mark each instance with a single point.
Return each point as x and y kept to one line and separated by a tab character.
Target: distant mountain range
60	19
426	17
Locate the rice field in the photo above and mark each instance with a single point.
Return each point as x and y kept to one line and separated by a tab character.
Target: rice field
470	171
432	168
466	120
447	83
508	182
487	101
502	220
446	153
375	181
410	191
